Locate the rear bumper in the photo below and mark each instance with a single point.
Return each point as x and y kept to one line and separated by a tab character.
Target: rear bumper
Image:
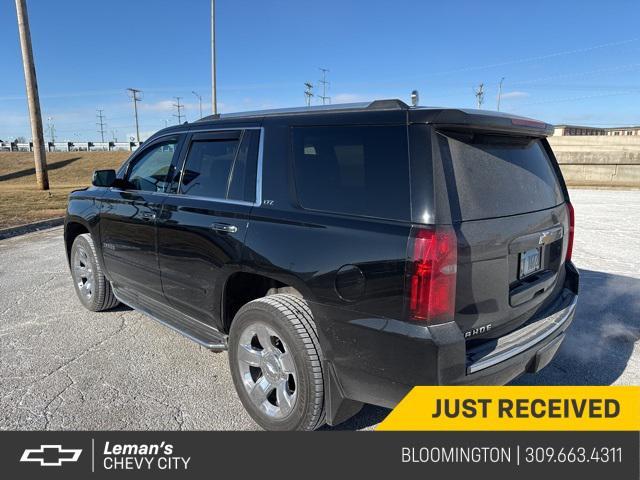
388	364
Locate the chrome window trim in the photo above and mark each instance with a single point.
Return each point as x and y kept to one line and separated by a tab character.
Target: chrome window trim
209	199
259	167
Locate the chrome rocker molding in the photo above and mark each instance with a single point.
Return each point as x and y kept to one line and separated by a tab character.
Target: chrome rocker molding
212	339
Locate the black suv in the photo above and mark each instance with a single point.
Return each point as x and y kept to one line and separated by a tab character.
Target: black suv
340	254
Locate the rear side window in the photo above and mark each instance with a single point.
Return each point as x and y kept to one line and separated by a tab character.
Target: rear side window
492	176
243	176
222	169
359	170
207	169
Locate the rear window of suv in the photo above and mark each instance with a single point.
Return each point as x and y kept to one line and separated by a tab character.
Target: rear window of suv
493	176
358	170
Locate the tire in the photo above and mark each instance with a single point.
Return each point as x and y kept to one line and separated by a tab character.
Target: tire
276	363
93	289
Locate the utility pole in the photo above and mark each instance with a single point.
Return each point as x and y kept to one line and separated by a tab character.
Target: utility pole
113	135
101	124
33	99
308	92
500	93
179	107
136	96
479	93
214	99
199	101
51	128
324	84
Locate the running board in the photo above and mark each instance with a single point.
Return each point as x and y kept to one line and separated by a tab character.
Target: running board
201	333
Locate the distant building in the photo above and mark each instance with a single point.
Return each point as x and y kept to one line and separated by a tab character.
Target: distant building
572	130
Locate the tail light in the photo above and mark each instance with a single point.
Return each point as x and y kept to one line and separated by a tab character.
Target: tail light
572	223
431	272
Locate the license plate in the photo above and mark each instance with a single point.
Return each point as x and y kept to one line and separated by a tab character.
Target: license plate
529	262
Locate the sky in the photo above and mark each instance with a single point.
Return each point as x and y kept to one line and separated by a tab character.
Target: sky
574	62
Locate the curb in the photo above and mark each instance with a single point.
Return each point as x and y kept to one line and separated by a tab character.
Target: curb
30	227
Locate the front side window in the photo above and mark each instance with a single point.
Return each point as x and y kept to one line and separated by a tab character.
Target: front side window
149	172
359	170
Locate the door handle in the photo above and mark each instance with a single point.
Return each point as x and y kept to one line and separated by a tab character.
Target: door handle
224	227
148	216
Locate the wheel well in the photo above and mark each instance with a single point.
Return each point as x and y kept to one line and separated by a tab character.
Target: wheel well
72	230
242	287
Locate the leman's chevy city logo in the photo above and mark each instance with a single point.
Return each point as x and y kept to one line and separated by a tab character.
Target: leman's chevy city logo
50	455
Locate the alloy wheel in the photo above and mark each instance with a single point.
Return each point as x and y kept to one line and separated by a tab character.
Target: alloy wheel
83	272
267	370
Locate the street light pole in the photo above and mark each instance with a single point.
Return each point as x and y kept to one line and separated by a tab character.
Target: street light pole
33	99
500	92
214	100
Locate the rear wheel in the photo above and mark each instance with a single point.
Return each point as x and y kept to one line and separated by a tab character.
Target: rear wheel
92	288
275	361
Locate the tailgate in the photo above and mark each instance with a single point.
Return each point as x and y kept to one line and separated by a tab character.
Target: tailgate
508	208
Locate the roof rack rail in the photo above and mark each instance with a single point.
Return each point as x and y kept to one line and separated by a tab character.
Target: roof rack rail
391	104
388	104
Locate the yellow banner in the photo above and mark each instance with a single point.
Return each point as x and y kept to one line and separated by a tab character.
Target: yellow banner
517	408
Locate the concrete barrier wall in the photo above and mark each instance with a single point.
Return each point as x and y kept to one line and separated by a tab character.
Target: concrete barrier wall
599	161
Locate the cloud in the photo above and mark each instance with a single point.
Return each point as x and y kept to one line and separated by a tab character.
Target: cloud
350	98
161	106
514	95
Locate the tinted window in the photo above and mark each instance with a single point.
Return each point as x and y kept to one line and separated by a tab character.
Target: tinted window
149	171
498	176
356	170
207	168
243	177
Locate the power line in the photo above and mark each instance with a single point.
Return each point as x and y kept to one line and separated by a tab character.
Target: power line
308	92
179	107
324	84
573	99
51	128
479	93
525	59
101	123
136	96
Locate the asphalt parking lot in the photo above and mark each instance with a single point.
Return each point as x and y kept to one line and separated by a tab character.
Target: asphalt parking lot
62	367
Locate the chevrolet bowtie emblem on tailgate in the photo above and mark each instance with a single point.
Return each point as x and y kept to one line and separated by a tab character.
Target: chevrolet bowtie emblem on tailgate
549	236
50	455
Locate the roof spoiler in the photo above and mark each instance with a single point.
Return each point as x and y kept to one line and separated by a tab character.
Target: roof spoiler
492	122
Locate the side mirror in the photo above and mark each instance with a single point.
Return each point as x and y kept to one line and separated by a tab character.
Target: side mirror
103	178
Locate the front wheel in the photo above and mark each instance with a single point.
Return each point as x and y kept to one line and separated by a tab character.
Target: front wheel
92	287
275	361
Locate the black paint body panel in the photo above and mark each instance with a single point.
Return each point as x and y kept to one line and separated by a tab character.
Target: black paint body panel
350	269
